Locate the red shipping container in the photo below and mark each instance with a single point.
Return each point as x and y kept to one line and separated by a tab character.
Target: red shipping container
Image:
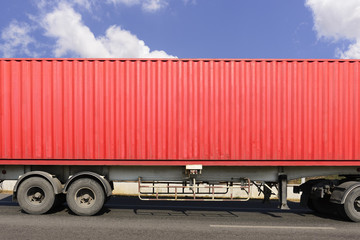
180	111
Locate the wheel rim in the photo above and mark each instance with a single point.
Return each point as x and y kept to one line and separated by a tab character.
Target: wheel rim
357	204
85	197
35	196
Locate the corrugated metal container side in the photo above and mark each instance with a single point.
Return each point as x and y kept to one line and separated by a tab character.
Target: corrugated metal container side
176	112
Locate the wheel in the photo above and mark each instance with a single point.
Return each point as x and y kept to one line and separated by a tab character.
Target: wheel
310	205
36	195
352	205
341	212
323	206
319	205
85	197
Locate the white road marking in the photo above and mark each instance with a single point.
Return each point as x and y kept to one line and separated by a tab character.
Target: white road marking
273	227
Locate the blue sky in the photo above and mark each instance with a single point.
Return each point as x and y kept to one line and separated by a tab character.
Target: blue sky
181	28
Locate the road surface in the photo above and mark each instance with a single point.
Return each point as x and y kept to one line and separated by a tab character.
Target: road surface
129	218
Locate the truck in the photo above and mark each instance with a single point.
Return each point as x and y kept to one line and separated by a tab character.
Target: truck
180	129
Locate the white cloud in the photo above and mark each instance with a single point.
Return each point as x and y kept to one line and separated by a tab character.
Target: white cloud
190	1
71	35
146	5
125	2
153	5
338	20
353	51
74	37
16	39
46	4
83	3
60	21
122	43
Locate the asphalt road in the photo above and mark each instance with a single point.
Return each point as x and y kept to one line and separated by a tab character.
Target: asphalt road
129	218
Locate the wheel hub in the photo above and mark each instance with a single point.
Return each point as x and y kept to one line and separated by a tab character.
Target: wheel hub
357	204
35	195
85	197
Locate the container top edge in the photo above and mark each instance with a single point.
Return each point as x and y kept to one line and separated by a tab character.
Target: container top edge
183	59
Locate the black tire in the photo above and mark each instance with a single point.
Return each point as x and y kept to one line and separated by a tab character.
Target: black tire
85	197
352	205
310	204
323	206
36	195
319	205
341	212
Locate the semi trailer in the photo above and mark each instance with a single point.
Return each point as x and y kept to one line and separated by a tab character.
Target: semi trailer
180	129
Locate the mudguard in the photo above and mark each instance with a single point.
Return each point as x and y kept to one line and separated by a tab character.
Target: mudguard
56	184
341	191
105	183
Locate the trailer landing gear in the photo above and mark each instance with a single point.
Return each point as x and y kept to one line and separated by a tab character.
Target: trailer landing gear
283	192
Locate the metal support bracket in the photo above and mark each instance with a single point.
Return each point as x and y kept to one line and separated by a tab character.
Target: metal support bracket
266	189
